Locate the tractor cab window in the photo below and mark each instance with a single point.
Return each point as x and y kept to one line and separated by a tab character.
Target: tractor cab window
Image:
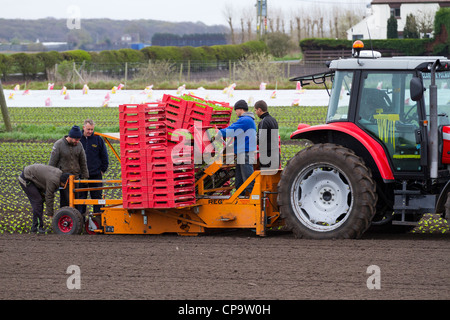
443	96
340	96
386	111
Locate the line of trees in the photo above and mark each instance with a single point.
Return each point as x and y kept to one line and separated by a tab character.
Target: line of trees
32	64
308	22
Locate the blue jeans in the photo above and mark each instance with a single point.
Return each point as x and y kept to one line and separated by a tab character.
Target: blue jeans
244	169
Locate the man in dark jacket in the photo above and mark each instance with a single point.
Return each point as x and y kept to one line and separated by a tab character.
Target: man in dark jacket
40	182
68	156
97	161
268	138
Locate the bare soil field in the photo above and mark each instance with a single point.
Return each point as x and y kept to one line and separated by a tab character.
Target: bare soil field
233	265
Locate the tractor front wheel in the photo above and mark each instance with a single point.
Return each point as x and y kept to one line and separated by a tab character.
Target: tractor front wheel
68	220
327	192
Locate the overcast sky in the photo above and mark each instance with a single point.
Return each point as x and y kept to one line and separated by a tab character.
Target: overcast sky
208	11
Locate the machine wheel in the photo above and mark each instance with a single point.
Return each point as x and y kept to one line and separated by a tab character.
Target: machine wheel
86	226
327	192
68	220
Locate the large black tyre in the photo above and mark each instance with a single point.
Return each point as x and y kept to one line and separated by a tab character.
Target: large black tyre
327	192
447	209
68	220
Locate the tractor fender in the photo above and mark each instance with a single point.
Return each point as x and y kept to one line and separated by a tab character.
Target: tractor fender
440	203
375	149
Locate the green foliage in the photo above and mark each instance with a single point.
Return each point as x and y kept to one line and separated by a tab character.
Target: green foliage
278	44
392	32
28	64
113	60
441	21
5	65
212	53
411	30
76	55
408	47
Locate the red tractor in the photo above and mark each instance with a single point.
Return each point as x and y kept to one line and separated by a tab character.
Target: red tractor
382	158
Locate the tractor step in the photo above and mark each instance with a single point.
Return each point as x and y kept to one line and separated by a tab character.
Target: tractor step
405	223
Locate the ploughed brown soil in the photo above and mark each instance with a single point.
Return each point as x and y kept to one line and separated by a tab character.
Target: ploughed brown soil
223	266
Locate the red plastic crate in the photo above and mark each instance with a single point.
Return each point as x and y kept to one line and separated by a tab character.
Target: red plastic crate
154	106
185	152
174	101
135	193
169	166
142	145
143	130
141	107
134	204
167	191
135	181
207	115
168	178
130	108
133	165
171	203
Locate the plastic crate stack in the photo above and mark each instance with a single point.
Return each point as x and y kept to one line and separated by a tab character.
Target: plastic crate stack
211	114
201	110
157	172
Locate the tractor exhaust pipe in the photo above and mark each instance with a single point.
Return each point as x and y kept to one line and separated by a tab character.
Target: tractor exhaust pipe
434	152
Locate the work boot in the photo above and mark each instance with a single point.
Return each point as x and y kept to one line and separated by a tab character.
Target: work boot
42	230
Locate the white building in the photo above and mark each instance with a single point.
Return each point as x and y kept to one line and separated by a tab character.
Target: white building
379	11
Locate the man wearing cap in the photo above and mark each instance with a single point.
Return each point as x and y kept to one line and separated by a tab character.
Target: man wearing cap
244	133
40	182
68	155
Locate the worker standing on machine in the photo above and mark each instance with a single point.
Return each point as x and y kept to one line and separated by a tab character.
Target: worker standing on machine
97	162
268	138
244	133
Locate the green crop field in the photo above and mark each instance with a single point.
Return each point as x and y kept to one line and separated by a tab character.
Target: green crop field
36	129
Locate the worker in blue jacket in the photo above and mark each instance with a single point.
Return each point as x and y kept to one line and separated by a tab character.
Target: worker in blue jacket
97	162
244	133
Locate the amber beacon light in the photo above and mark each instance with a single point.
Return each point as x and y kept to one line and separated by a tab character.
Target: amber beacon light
357	46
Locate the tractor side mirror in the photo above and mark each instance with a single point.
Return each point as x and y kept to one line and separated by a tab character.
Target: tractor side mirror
416	89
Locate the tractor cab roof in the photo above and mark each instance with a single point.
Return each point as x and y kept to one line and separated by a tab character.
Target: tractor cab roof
392	63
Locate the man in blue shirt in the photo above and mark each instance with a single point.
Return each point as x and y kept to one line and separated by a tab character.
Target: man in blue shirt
97	161
244	133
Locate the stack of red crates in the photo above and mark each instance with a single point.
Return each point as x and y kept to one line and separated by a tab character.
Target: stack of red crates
156	171
200	111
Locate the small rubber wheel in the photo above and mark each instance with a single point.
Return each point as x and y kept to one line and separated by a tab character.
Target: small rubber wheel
88	230
68	220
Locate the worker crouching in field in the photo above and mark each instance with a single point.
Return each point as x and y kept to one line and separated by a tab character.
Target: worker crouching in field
40	182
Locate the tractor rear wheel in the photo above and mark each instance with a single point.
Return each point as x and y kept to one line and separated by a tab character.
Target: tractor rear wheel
327	192
68	220
447	209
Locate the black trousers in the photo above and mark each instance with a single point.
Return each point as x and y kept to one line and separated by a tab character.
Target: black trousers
95	194
37	203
